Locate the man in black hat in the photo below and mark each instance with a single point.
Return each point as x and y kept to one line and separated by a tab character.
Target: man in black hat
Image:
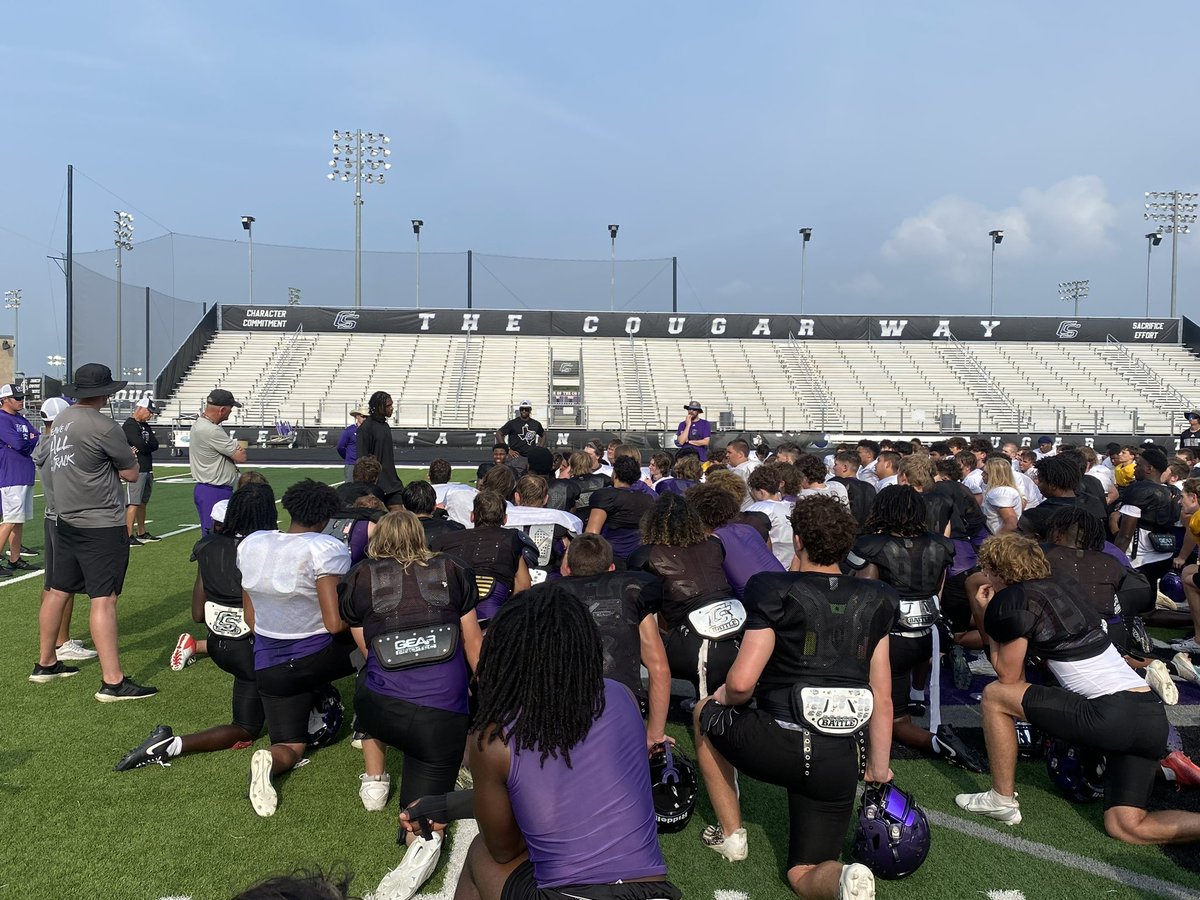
214	456
1190	436
694	431
89	457
141	438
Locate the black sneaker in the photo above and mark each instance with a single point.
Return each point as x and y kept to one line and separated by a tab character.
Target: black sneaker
42	674
21	566
147	538
152	750
956	751
134	542
126	690
30	551
917	708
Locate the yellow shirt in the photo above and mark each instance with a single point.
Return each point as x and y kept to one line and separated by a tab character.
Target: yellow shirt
1124	474
1194	525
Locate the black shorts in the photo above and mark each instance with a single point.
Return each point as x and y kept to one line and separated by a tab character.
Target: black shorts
905	654
286	689
432	740
90	560
1130	727
521	885
50	540
683	655
237	658
956	607
820	773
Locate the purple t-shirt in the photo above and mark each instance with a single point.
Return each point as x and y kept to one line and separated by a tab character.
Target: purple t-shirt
270	651
700	430
610	777
746	554
17	440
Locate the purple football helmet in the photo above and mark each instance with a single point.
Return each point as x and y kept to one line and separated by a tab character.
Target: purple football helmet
1172	585
673	786
325	717
1077	772
893	836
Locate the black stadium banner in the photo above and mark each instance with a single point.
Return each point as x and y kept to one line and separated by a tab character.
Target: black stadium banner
431	440
1040	329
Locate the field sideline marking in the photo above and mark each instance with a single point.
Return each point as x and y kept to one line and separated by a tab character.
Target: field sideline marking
1064	858
1005	895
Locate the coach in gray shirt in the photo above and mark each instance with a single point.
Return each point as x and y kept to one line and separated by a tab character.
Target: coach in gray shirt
88	459
214	456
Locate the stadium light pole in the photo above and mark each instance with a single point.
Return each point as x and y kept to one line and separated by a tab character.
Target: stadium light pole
805	237
997	236
1074	291
1175	211
58	361
1153	239
354	152
416	224
12	300
612	271
122	240
248	225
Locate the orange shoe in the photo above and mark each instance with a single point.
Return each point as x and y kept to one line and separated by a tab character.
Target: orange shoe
1186	772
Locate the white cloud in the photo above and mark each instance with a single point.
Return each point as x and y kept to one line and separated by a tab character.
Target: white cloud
1070	219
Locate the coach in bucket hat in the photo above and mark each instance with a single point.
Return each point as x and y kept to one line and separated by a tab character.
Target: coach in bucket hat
93	380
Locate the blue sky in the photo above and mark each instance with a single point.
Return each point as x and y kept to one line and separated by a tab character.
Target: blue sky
900	134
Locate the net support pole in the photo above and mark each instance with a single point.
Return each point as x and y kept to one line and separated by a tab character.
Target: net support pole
674	284
470	262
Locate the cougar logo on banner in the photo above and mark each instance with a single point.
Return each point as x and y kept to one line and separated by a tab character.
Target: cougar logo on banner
345	320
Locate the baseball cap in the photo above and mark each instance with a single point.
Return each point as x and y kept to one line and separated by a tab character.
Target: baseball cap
694	405
1045	439
12	390
52	407
218	511
222	397
358	412
525	404
148	403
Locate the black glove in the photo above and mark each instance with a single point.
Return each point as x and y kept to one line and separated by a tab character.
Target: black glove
717	718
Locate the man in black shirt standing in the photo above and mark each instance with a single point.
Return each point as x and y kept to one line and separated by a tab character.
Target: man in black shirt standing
374	438
141	438
524	431
1190	436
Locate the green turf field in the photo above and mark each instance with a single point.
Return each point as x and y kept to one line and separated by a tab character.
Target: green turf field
75	828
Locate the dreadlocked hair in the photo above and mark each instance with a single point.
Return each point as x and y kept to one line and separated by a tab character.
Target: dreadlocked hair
898	510
251	508
1074	526
541	674
311	503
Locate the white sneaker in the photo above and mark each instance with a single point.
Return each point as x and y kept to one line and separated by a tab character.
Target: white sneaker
857	883
1184	667
414	870
990	804
373	791
73	650
1187	645
1162	601
1158	676
184	653
262	794
733	846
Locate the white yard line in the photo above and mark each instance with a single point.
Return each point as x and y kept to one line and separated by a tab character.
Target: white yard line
1145	883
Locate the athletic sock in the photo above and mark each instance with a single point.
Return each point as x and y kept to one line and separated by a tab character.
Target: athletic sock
914	694
175	747
937	747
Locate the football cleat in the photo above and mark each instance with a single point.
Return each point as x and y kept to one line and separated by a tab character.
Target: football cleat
1184	667
857	882
152	750
184	653
262	793
1186	772
1159	678
954	750
990	804
414	870
373	791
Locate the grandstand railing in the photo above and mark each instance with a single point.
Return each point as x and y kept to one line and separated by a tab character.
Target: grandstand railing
1135	371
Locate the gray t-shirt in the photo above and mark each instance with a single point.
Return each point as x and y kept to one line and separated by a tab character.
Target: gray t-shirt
41	453
87	449
209	449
